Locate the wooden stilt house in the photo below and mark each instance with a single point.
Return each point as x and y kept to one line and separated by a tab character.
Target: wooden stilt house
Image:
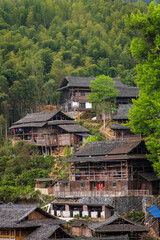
107	168
49	130
76	90
29	222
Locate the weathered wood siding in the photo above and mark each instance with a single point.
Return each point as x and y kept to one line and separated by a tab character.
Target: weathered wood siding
64	139
36	215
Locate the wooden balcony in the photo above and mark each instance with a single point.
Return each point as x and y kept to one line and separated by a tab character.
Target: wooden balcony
79	194
96	176
52	140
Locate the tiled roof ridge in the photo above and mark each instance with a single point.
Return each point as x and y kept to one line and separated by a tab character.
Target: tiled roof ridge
111	141
103	148
113	218
72	81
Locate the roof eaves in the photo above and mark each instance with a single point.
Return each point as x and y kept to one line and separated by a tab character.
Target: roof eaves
29	212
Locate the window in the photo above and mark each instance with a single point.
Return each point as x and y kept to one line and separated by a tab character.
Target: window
82	105
86	171
81	185
119	134
114	184
82	93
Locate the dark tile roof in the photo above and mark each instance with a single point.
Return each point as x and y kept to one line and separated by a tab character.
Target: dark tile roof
42	232
150	177
37	117
124	157
40	119
119	127
122	237
59	122
12	214
81	204
85	159
125	90
121	228
84	82
122	112
45	231
86	135
106	150
74	128
124	147
76	82
100	148
39	222
34	124
110	226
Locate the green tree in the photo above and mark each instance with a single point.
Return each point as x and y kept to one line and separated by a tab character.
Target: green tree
144	116
102	94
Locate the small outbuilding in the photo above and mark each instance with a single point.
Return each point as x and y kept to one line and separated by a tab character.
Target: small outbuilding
118	226
94	211
29	222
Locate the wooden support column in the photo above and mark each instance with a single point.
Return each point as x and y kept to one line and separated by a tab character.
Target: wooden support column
32	133
70	171
132	172
122	135
121	171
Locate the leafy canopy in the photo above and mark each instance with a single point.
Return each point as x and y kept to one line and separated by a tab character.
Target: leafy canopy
145	114
102	92
19	166
42	41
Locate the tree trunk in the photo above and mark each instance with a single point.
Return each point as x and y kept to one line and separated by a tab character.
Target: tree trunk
6	131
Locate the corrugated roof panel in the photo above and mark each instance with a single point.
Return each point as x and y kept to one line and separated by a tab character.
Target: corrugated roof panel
154	211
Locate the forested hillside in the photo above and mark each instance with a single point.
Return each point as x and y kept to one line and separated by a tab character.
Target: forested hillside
41	41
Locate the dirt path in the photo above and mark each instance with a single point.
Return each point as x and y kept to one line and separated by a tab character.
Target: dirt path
106	133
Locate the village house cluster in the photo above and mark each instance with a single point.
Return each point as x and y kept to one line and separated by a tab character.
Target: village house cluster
118	167
30	222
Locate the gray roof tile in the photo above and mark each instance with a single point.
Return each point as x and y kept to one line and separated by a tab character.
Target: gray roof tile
122	112
105	150
74	128
84	82
13	214
100	148
43	232
109	226
119	127
122	237
37	117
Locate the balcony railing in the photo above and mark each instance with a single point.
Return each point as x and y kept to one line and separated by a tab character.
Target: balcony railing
79	194
96	176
